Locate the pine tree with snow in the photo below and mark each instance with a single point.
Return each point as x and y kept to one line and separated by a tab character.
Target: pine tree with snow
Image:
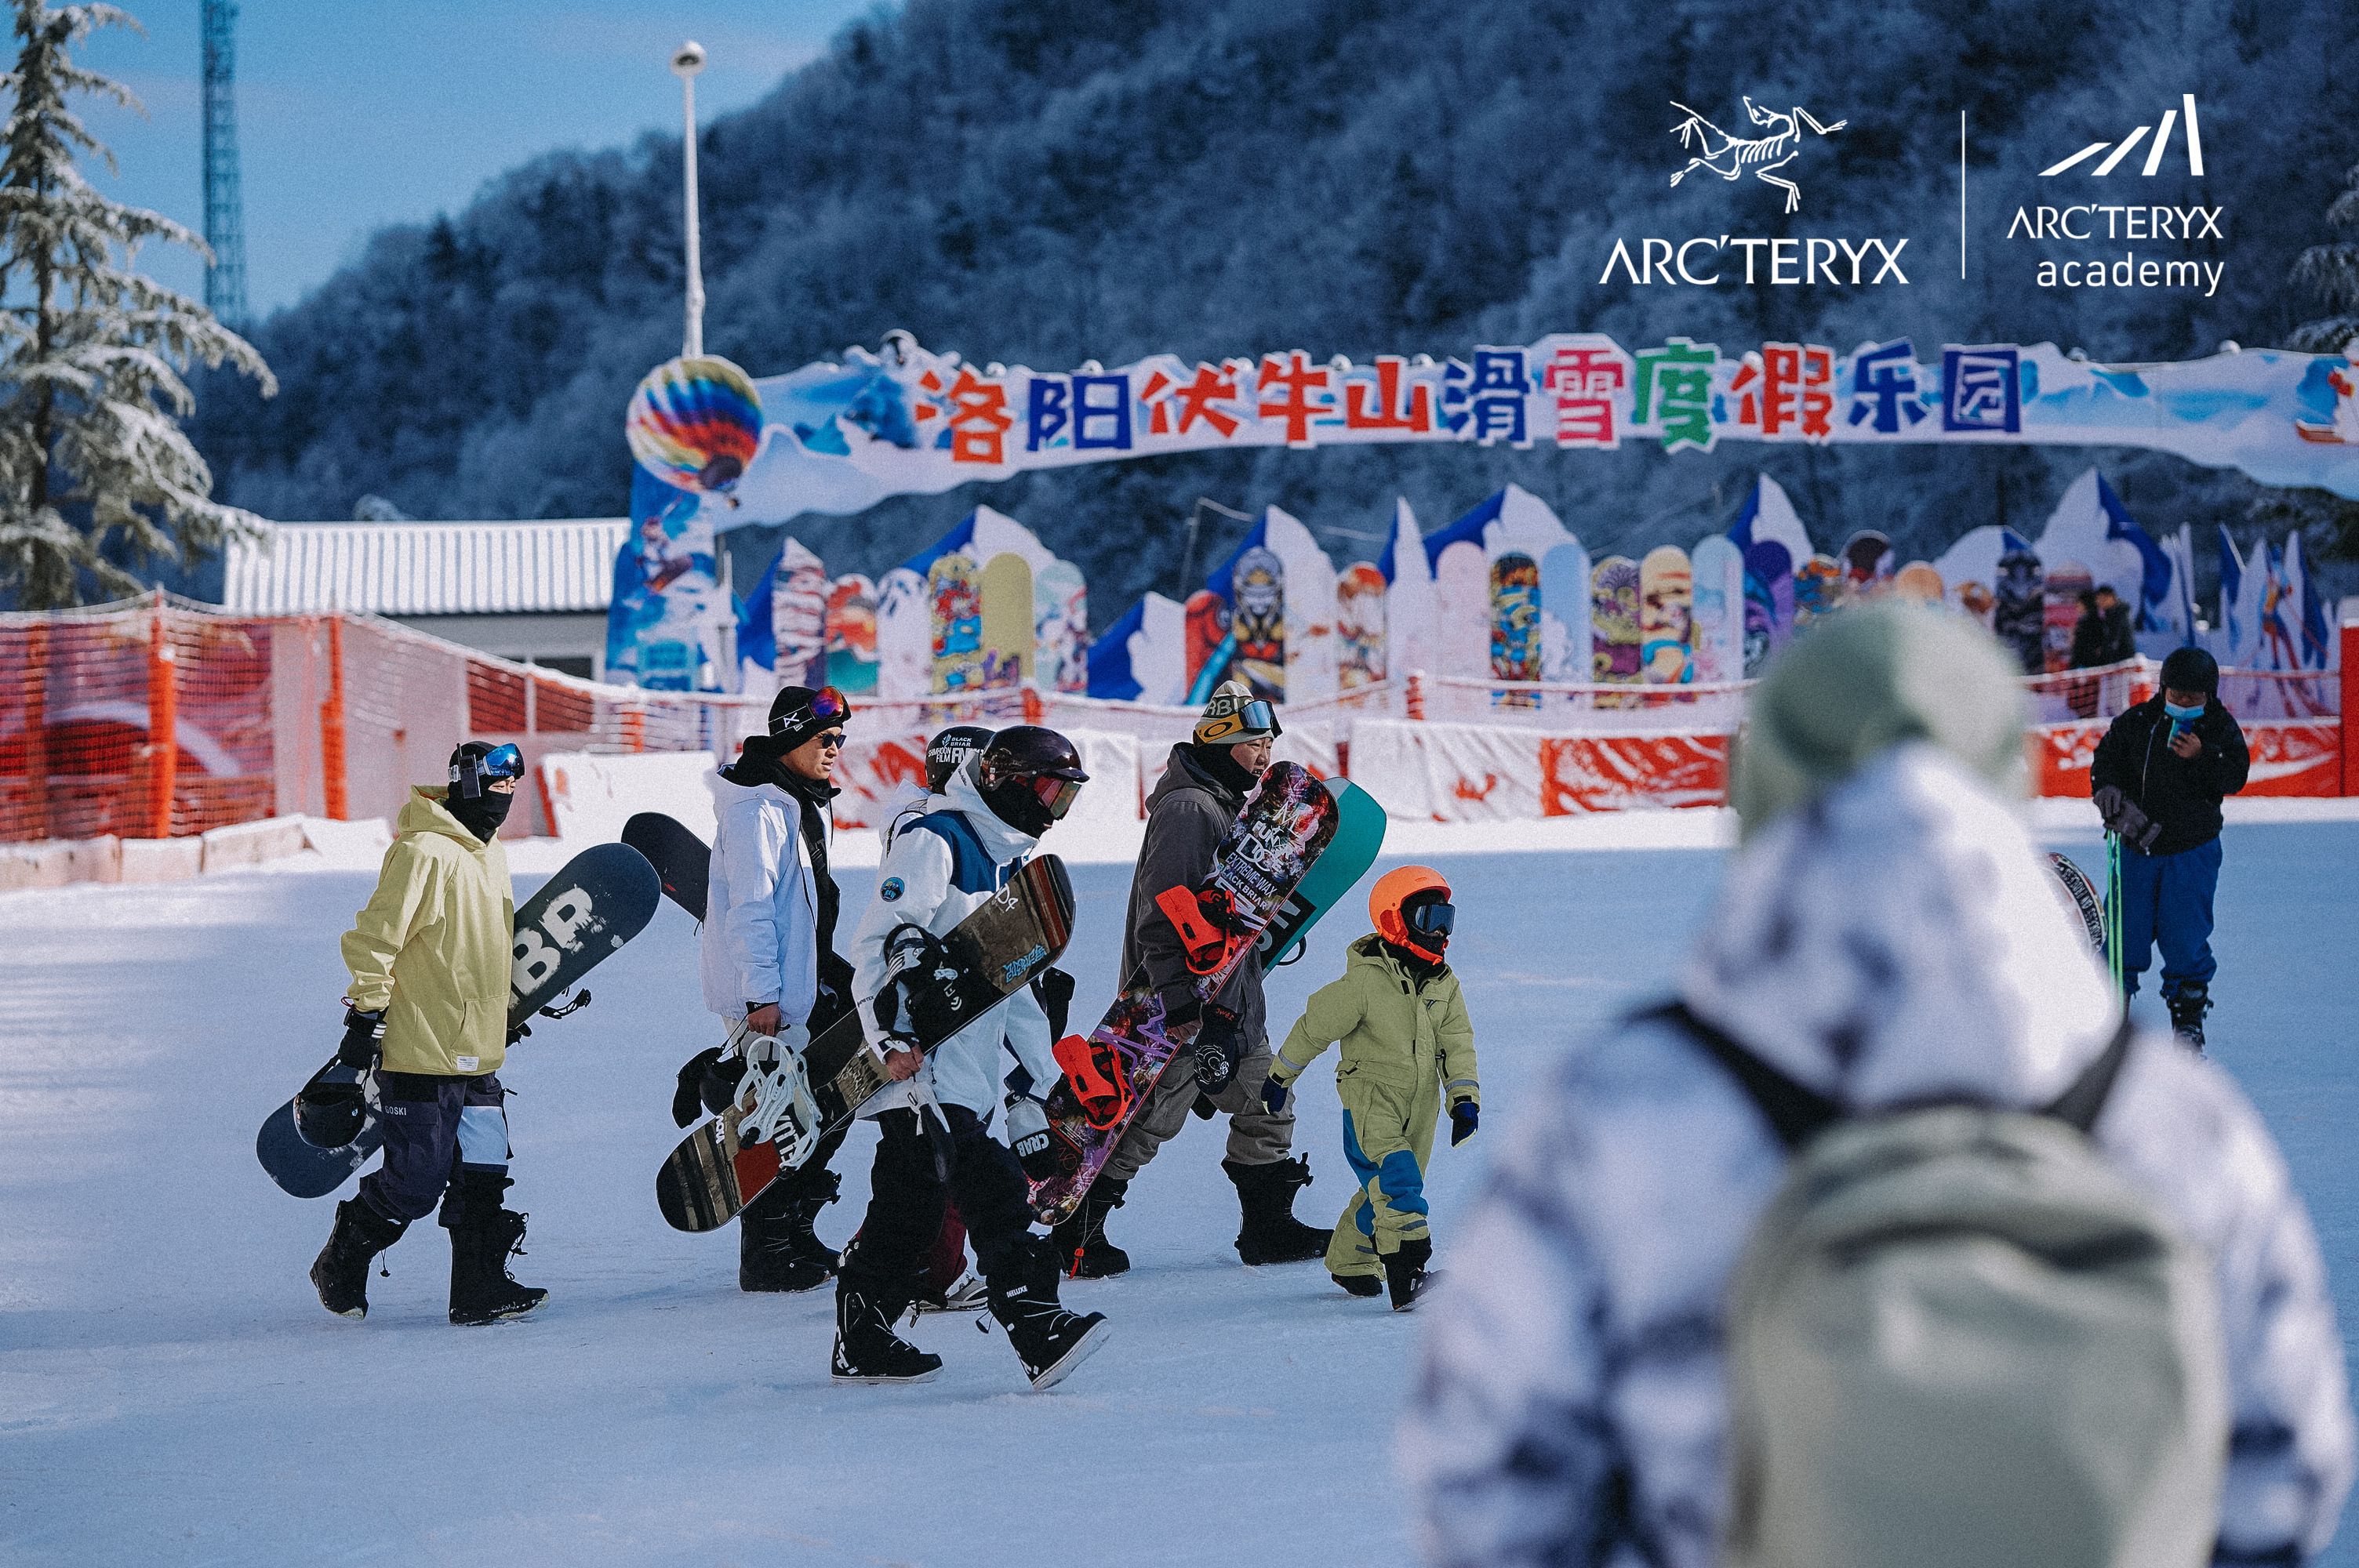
2331	272
91	455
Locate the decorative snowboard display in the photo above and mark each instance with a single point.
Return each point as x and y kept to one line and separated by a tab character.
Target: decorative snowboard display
1719	639
985	958
1359	837
600	900
1867	562
852	636
1820	589
1666	616
2020	613
1359	627
1919	582
1281	834
1008	657
1768	602
1564	616
1516	624
954	617
1613	625
683	862
2080	901
1257	620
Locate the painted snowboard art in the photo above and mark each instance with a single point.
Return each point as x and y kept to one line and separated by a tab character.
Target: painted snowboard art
1867	564
1516	625
852	635
597	900
1918	581
1719	639
1281	833
1613	625
954	617
1564	616
1360	627
1258	588
1009	629
986	957
1666	616
798	591
1061	628
1820	589
1768	603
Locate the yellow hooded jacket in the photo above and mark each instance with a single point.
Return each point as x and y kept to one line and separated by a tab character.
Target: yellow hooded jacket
434	947
1394	1030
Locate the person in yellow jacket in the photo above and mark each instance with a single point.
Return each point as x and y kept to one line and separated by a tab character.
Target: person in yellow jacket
428	1015
1408	1046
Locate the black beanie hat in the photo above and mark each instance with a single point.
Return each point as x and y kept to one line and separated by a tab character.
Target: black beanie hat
787	730
2192	669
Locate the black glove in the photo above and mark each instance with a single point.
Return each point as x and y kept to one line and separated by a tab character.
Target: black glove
2121	817
1464	1116
364	1036
1215	1049
517	1032
1274	1095
687	1100
1028	1134
1054	988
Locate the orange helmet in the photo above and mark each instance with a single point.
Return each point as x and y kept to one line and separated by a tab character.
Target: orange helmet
1386	907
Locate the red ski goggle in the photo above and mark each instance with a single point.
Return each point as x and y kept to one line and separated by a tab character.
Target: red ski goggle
829	706
1057	795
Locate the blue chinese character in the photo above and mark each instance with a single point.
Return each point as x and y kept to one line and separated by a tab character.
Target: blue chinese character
1498	396
1884	384
1980	390
1050	400
1101	411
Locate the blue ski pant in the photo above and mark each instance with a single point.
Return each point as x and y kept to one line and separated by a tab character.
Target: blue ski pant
1389	1139
2166	900
435	1128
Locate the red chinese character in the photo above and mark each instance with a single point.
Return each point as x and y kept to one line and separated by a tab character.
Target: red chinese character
1196	402
979	419
1584	381
1299	379
1795	386
1357	415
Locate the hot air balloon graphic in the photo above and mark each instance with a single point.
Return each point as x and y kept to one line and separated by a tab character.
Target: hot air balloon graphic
696	424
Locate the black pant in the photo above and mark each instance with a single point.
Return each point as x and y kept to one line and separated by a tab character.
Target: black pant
435	1128
917	1166
783	1193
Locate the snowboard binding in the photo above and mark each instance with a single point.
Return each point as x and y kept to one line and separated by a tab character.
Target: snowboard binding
775	1101
1094	1072
1207	922
334	1107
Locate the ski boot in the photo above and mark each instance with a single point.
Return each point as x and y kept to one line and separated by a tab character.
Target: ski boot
341	1271
966	1293
1405	1275
1360	1284
866	1348
1080	1239
2188	1006
1270	1233
777	1248
481	1239
1048	1340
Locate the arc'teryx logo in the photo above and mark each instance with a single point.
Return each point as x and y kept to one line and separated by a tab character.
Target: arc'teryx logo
1730	157
2153	148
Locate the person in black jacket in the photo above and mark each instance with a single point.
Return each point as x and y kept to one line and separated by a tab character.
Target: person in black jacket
2159	777
2103	635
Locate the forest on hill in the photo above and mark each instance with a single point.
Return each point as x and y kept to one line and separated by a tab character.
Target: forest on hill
1051	181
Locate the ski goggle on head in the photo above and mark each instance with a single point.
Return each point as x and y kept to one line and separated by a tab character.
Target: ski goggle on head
829	707
1255	720
470	774
1433	919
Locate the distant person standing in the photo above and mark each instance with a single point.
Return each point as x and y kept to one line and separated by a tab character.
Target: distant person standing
2103	635
2158	780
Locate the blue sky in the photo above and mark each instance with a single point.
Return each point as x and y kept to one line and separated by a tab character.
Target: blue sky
359	114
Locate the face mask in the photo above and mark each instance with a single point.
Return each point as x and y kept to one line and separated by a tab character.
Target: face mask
2183	714
484	813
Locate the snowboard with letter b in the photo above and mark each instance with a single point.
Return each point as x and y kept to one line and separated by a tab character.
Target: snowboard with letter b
598	900
783	1108
1283	829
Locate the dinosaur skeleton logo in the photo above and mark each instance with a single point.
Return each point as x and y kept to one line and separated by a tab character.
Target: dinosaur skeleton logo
1730	156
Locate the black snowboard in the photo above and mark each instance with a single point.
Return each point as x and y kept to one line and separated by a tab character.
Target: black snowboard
989	956
600	900
682	860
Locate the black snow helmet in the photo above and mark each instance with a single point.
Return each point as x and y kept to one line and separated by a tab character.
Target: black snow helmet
2191	669
947	749
1029	776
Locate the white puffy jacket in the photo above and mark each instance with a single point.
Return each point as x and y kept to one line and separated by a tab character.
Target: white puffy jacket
761	914
914	888
1896	940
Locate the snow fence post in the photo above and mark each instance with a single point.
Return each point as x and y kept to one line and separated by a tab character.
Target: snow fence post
37	721
163	734
1417	694
333	800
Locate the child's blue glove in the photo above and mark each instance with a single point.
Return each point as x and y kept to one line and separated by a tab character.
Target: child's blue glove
1463	1118
1274	1095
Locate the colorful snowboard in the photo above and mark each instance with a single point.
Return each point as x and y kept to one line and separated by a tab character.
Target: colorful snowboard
1613	625
1257	621
1008	629
1768	603
852	635
988	956
1359	627
1867	563
1564	616
954	618
1719	637
600	900
1516	625
1666	616
1820	589
1919	582
1285	827
1359	838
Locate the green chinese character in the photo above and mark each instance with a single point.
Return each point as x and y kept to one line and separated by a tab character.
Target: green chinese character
1674	388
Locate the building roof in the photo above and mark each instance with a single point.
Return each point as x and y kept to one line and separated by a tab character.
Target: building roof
426	569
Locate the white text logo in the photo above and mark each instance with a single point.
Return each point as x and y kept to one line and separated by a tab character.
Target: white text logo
2153	149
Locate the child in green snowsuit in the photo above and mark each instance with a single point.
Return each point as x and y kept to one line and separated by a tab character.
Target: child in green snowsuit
1407	1047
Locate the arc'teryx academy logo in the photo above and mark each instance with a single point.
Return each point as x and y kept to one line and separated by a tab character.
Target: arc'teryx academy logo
2153	149
1730	157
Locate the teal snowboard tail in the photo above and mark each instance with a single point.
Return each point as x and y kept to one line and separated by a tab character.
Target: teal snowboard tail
1359	839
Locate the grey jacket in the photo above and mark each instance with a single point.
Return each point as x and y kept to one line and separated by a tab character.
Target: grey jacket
1894	942
1186	817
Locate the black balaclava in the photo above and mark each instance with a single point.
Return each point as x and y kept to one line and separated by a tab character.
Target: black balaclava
1219	761
482	814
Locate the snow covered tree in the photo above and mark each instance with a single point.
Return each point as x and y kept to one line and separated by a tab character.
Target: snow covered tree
2331	272
93	465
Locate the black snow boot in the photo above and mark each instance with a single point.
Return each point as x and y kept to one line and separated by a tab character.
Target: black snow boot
341	1271
866	1348
2187	1011
1079	1241
1048	1340
776	1247
482	1240
1360	1284
1270	1233
1405	1272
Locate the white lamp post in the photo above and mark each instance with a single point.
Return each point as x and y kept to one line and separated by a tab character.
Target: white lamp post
686	61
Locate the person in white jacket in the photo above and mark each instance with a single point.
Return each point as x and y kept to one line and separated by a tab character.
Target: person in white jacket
934	1121
769	953
1884	935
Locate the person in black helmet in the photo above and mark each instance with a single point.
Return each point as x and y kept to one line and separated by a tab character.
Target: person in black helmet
428	1015
769	954
934	1121
2158	780
944	753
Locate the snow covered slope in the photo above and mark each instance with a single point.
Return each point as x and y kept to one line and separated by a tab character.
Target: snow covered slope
170	1393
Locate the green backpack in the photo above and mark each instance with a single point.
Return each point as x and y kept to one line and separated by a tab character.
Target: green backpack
1958	1338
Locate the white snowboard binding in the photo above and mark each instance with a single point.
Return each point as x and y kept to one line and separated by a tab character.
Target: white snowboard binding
774	1098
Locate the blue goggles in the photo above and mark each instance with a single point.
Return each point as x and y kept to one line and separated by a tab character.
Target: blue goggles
470	774
1433	919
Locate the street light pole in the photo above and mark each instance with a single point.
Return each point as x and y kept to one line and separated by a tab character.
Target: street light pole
686	61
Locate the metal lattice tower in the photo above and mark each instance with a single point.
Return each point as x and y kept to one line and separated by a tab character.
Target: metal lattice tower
225	204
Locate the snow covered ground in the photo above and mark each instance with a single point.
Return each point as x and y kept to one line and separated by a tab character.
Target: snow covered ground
170	1393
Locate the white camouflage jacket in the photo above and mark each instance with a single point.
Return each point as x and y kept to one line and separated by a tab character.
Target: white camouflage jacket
1894	941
